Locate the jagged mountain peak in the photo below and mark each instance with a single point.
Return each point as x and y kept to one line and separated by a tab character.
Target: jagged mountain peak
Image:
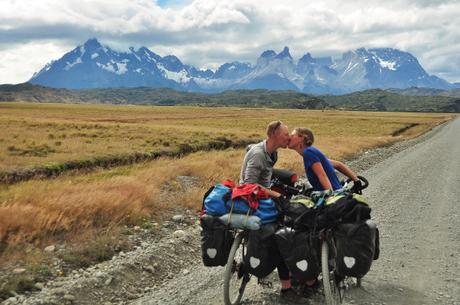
268	54
306	58
93	65
92	43
284	54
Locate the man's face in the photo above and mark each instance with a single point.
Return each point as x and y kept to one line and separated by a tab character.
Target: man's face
282	136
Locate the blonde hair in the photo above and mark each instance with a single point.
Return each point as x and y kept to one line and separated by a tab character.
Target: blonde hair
306	134
273	127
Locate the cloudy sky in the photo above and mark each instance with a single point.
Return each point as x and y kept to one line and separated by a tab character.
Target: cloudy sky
208	33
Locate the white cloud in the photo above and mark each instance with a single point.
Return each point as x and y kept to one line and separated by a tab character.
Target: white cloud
208	33
19	63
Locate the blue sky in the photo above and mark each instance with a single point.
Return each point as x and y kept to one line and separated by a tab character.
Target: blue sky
173	3
208	33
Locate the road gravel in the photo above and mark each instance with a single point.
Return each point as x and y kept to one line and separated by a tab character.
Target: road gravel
414	193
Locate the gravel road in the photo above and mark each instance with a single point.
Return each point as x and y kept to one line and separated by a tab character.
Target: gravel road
415	197
414	191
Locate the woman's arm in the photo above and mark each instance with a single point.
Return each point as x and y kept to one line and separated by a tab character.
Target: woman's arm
322	176
344	169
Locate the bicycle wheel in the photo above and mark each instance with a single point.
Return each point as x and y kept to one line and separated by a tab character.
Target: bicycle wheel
235	279
330	285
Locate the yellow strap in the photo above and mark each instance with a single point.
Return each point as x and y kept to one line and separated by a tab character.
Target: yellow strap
360	198
333	199
306	202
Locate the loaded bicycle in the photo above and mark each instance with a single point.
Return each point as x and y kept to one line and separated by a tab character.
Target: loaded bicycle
334	283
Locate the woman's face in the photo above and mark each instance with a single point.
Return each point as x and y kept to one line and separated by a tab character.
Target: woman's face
296	140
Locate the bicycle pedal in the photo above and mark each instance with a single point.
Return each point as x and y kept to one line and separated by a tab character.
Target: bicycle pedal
265	283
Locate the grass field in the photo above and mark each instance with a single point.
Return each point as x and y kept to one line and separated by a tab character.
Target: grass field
41	212
46	134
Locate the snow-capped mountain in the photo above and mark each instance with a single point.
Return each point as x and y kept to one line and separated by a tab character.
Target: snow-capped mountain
93	65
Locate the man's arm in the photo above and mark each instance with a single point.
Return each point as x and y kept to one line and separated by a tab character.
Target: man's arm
253	170
341	167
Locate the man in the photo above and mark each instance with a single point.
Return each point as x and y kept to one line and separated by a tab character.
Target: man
257	168
260	158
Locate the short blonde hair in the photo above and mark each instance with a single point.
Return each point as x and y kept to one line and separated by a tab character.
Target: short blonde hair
306	134
273	127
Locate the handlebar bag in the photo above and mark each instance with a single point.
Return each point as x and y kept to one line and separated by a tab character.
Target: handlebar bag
343	208
299	213
262	255
300	251
355	244
216	241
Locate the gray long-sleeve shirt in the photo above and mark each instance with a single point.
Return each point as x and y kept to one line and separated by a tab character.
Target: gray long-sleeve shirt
258	165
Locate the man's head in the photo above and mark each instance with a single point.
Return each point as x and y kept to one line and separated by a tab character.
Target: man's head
301	137
278	134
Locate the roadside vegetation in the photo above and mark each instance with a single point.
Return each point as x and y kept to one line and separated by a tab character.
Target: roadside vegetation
90	212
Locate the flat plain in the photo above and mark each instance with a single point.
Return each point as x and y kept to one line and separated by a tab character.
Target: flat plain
73	207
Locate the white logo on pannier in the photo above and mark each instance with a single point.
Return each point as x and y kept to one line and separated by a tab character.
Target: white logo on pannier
302	265
211	252
349	261
254	262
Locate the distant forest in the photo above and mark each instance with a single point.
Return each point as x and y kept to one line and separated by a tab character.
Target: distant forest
412	99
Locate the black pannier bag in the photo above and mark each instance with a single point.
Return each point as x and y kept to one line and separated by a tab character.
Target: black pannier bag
299	213
262	255
300	251
377	244
216	241
345	208
355	243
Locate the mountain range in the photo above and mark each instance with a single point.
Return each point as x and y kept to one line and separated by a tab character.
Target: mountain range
93	65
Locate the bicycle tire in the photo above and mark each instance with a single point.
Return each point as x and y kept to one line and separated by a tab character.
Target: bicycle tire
331	290
231	280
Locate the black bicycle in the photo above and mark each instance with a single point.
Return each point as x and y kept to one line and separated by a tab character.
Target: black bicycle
236	278
334	285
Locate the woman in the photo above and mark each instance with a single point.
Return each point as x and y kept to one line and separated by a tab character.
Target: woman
319	169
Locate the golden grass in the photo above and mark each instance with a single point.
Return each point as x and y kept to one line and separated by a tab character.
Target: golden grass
40	134
41	212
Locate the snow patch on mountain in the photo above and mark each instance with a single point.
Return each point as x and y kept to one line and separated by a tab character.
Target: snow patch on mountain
121	68
71	64
180	77
358	69
108	67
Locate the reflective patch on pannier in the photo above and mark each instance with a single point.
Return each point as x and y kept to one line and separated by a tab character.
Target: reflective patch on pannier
355	244
216	241
262	255
299	249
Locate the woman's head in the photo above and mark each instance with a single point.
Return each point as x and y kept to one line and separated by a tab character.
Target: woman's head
301	136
